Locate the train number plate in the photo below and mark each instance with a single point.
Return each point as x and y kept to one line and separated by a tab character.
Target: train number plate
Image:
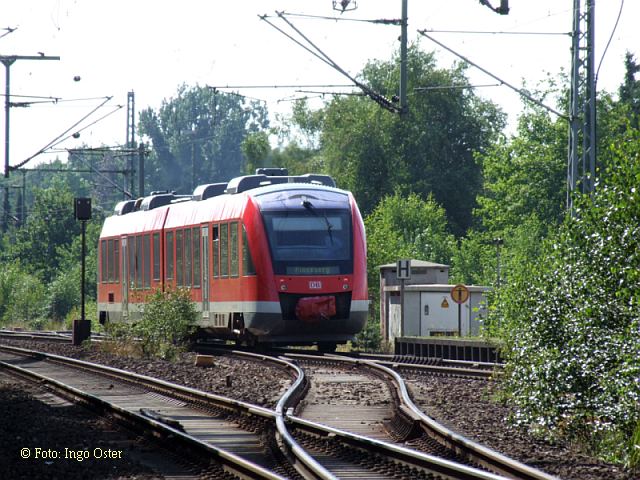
315	284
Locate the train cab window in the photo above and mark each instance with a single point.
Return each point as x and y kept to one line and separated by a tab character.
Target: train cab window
169	256
216	251
188	265
196	256
138	257
156	256
131	242
103	261
233	248
147	260
247	260
116	260
179	262
312	241
224	250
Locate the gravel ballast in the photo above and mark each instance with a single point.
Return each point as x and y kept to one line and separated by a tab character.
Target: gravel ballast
466	406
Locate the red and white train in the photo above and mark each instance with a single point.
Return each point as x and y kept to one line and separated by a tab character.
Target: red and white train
268	258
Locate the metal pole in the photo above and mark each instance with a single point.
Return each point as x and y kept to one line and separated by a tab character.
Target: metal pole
141	169
7	105
590	114
574	116
402	307
8	60
459	319
82	313
403	59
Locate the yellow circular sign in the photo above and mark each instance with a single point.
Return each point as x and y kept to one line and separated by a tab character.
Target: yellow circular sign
460	293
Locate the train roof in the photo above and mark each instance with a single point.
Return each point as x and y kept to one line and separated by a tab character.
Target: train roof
220	200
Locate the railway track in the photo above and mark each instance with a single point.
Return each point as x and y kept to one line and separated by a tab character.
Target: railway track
202	426
375	402
314	451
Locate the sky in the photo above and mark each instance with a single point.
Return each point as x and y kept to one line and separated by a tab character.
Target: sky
151	47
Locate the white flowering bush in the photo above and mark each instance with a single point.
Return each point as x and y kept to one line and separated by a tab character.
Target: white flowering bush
571	321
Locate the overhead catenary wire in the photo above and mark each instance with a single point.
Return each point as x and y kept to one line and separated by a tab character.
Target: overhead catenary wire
520	91
487	32
455	87
379	21
613	31
318	53
57	140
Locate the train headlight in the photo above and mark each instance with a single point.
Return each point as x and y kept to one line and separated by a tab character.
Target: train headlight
345	286
283	287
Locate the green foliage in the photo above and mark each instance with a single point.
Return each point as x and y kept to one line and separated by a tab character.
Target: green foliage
405	227
197	137
167	322
21	296
51	225
525	175
90	313
428	151
255	148
571	318
369	339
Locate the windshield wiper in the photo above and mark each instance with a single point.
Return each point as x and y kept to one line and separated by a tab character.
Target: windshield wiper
309	206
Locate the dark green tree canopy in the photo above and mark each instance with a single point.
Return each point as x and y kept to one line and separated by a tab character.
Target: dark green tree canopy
197	137
428	151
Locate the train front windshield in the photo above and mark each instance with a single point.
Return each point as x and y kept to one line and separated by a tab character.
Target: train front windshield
310	241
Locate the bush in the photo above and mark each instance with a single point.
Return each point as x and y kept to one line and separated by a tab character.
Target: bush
167	323
571	321
22	296
90	313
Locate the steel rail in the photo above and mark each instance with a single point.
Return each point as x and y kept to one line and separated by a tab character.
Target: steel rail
474	452
229	461
300	459
396	453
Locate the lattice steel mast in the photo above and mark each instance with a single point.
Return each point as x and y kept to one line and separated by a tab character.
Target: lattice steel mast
581	165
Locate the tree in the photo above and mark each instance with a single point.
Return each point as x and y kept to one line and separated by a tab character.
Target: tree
428	151
525	175
50	226
409	227
197	137
570	318
630	89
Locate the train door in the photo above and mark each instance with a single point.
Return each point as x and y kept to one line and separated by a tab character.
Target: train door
205	271
124	255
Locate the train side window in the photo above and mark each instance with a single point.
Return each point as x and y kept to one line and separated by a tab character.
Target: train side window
196	256
103	261
147	260
216	251
188	265
156	256
131	242
247	260
233	248
116	260
109	261
224	250
169	256
179	263
139	261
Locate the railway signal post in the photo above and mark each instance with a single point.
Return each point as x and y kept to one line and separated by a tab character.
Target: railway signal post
82	327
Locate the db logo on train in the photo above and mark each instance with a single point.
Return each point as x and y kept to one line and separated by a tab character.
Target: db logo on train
315	284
